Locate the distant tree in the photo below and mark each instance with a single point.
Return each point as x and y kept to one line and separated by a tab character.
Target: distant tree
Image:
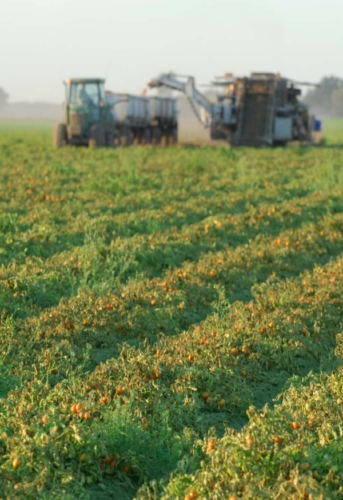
321	97
3	98
337	102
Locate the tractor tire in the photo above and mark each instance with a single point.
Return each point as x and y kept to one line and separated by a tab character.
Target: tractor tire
97	136
60	135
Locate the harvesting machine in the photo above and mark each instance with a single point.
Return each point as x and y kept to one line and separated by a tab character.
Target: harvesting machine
261	110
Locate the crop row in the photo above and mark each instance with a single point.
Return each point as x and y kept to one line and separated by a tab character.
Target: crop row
148	299
63	414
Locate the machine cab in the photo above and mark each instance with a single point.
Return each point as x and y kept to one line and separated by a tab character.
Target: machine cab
85	99
86	92
84	106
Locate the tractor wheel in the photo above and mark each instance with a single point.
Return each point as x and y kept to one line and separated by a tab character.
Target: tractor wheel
60	135
97	136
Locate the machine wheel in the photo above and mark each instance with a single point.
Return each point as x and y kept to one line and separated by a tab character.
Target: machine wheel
136	138
164	139
156	136
144	138
116	141
60	135
97	136
172	137
110	140
126	139
129	138
175	136
279	144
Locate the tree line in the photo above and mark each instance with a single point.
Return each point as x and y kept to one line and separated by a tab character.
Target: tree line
327	97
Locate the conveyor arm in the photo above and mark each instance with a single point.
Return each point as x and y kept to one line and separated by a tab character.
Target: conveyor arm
188	87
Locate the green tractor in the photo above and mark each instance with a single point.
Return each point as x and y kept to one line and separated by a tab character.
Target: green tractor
87	119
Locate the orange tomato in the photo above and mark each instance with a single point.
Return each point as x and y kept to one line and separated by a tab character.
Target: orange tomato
210	445
278	441
16	462
193	494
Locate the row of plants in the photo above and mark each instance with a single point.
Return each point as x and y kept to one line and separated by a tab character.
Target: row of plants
148	299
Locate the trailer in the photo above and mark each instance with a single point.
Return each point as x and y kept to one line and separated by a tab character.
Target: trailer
130	115
163	120
143	120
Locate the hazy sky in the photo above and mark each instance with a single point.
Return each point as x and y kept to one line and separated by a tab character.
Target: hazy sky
42	42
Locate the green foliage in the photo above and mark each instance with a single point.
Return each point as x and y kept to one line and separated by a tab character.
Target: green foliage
171	294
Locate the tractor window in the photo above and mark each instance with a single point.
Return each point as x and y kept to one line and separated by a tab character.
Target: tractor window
86	94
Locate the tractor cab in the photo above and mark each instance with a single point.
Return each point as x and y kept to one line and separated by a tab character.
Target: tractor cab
85	97
84	104
87	119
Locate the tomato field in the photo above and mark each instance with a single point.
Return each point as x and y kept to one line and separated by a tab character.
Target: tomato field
171	321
